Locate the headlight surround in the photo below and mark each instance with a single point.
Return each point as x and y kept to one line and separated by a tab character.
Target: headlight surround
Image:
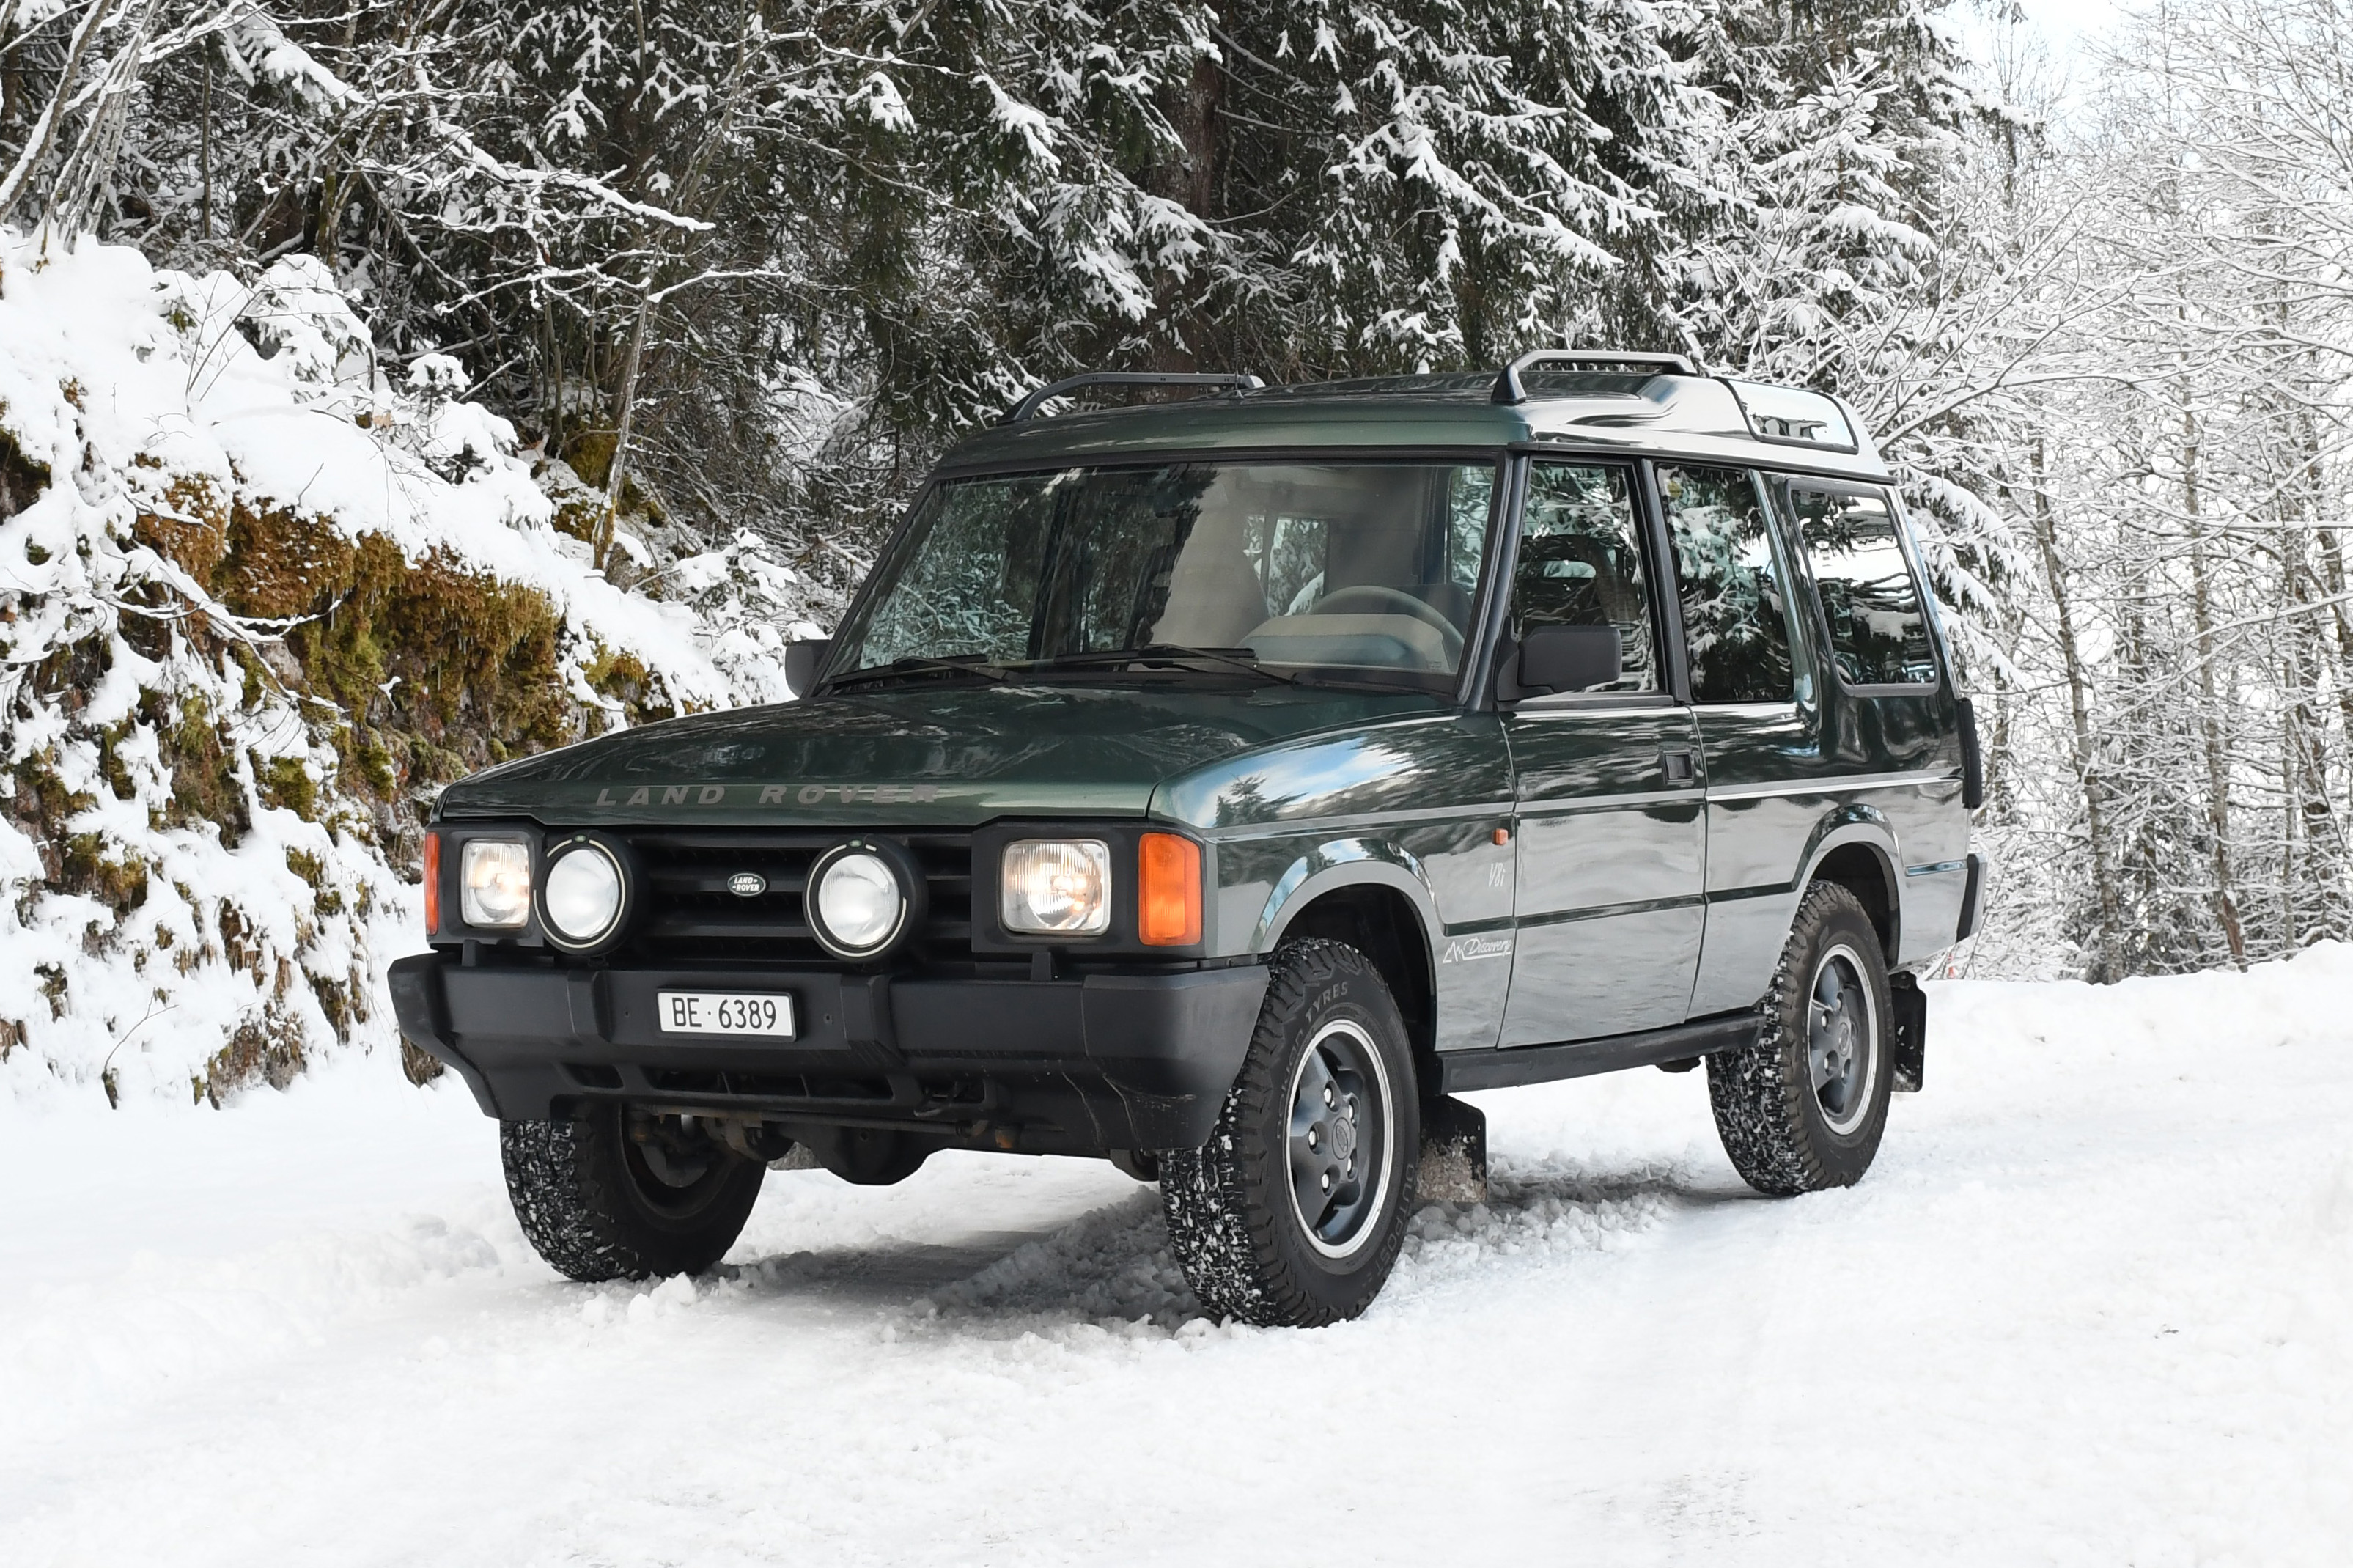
494	883
584	893
1055	886
863	897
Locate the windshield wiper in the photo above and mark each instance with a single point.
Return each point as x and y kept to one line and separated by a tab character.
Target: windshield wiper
920	664
1240	658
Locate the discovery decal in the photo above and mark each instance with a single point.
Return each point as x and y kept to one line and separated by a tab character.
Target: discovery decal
1464	949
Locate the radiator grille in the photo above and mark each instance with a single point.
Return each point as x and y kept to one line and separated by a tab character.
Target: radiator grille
692	917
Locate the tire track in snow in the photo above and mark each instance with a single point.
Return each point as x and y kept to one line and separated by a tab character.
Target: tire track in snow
1111	1271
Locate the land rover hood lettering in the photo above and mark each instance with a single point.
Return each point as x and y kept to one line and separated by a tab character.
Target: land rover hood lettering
767	795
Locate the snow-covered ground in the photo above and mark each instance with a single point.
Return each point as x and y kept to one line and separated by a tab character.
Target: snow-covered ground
2094	1306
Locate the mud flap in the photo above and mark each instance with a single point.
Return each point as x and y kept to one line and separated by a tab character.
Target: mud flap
1453	1152
1911	1042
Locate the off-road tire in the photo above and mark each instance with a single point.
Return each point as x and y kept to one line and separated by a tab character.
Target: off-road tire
590	1209
1773	1122
1232	1221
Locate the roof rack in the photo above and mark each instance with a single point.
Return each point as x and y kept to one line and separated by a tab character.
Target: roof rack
1029	406
1510	388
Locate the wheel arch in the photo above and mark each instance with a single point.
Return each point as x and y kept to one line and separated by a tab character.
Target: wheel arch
1856	851
1385	911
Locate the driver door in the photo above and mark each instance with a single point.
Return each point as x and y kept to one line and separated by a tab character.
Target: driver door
1612	834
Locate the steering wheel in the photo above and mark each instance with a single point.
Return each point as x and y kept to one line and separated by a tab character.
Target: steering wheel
1392	601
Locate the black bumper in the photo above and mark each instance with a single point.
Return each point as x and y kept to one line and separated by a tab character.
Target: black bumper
1078	1066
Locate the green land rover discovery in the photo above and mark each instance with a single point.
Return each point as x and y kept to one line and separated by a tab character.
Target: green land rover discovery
1219	786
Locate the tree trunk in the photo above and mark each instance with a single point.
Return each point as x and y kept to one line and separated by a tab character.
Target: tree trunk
2104	875
1192	180
2210	719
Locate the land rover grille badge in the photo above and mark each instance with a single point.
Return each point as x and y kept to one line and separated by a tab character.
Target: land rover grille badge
747	884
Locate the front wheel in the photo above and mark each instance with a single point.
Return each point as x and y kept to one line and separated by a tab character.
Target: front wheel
1802	1106
622	1194
1292	1214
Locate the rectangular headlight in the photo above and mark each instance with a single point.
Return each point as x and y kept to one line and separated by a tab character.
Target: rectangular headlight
494	883
1056	886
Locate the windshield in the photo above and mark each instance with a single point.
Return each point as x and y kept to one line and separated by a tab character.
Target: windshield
1364	569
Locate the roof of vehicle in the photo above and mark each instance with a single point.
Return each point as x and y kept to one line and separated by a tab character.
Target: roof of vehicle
1640	412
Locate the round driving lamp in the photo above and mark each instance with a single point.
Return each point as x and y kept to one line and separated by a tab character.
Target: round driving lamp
586	890
864	897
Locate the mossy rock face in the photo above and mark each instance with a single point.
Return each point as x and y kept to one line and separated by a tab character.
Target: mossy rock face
404	674
441	669
623	677
433	652
194	535
22	481
343	1003
590	453
42	802
286	783
579	516
419	1068
280	564
86	867
204	785
267	1048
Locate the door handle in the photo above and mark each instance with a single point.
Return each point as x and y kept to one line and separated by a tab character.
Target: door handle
1679	765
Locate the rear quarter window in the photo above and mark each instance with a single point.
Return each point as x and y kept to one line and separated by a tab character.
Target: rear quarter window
1870	601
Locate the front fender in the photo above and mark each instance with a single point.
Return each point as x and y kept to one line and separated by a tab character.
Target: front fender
1467	963
1345	863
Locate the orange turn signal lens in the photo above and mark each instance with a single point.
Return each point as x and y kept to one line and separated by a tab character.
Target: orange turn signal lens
432	884
1168	890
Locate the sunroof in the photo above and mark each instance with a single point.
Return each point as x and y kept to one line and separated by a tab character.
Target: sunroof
1789	414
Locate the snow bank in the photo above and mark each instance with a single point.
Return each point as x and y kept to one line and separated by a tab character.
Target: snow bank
260	595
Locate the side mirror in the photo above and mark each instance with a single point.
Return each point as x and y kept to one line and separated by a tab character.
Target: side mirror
803	660
1568	659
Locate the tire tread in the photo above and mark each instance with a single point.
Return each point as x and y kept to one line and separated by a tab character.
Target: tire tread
567	1188
1759	1091
1227	1244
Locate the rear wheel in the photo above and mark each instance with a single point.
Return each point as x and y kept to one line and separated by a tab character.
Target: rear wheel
1803	1107
620	1193
1294	1212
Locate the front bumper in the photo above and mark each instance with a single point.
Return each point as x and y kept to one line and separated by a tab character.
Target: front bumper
1077	1065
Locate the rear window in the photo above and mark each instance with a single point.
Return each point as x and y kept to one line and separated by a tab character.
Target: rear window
1878	628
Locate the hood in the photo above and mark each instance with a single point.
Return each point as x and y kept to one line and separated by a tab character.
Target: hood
946	755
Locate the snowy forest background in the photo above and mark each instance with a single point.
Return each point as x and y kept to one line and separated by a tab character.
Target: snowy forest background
389	386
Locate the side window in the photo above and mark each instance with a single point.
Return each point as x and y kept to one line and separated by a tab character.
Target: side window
1737	616
1879	634
1581	562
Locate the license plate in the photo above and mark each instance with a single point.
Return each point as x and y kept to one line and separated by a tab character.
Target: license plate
725	1013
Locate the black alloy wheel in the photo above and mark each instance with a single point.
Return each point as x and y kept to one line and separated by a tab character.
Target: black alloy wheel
1842	1030
1342	1129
